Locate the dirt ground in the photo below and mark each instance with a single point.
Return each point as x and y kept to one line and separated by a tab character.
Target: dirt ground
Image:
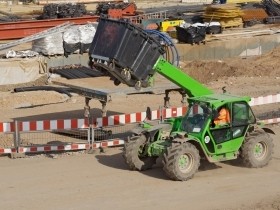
76	180
103	181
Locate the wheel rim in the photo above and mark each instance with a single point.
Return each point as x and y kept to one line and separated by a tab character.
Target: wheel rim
185	162
260	150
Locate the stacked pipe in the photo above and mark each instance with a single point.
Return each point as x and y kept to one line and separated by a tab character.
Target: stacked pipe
68	10
76	71
273	9
71	10
102	8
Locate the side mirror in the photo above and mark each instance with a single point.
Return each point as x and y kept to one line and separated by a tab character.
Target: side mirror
148	113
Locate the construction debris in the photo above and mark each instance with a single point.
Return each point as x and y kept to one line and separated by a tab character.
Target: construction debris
274	19
21	54
272	7
78	38
116	9
54	11
194	34
253	16
49	45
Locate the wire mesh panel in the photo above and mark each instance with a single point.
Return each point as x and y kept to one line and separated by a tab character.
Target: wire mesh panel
113	132
64	137
7	140
53	137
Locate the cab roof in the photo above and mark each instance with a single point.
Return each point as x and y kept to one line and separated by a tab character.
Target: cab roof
219	99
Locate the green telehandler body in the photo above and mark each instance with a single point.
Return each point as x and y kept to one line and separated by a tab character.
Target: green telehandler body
184	141
131	56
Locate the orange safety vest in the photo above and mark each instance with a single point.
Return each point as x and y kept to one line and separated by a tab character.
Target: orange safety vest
223	117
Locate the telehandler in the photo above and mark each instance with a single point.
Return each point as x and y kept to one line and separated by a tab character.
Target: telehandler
181	141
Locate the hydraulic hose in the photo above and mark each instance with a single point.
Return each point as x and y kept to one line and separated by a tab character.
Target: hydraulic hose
174	58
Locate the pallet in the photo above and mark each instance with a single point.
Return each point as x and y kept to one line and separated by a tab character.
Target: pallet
232	27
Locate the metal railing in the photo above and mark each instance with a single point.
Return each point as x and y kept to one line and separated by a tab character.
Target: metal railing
91	137
84	134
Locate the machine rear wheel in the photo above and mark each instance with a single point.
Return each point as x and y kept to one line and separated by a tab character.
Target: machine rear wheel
257	151
134	154
181	161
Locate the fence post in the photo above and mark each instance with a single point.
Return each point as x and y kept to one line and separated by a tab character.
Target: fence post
161	117
16	135
16	154
90	137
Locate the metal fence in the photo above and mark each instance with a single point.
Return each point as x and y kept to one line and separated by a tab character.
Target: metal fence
20	137
91	137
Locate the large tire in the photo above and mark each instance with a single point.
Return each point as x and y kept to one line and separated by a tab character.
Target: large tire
133	154
181	161
257	150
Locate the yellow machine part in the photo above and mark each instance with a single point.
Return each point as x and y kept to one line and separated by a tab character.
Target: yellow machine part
164	25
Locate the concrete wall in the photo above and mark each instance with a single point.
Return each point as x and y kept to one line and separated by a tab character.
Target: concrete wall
230	48
70	60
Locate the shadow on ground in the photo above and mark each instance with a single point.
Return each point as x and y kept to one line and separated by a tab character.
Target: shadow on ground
117	161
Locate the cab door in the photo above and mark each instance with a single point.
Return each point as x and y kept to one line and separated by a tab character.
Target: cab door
222	132
241	116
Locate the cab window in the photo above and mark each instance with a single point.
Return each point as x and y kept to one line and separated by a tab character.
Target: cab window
242	114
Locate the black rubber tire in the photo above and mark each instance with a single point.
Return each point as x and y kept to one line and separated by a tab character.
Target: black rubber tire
257	150
132	156
172	157
117	82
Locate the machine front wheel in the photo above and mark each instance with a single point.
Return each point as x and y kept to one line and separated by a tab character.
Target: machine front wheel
134	154
181	161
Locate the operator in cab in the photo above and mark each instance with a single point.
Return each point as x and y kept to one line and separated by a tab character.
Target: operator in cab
223	117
